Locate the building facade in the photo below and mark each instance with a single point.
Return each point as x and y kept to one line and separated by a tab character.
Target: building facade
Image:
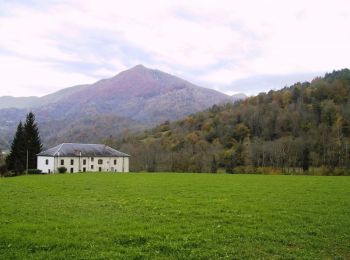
83	158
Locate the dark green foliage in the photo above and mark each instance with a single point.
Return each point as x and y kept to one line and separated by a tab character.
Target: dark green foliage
33	142
25	146
343	75
293	129
16	160
62	169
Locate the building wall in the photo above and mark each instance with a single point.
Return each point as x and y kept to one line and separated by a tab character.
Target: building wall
126	164
92	164
46	164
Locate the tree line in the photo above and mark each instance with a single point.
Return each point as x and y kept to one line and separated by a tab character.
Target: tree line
25	146
304	128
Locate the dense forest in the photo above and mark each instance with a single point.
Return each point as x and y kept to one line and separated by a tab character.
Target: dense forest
303	128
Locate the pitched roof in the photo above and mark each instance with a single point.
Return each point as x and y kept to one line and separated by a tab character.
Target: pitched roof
85	150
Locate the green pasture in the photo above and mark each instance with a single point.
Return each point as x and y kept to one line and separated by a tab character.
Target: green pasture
176	216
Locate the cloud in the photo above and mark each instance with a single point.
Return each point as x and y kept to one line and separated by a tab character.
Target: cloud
20	77
212	43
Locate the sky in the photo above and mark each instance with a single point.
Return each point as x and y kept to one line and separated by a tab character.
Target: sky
228	45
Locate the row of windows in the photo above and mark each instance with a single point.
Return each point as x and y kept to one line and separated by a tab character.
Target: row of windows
100	161
84	169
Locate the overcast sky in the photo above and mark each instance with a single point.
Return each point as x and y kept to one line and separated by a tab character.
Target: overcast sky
233	46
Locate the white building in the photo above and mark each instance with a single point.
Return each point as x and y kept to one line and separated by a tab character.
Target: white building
83	158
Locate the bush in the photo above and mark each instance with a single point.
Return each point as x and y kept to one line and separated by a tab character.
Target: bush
34	171
62	169
9	174
340	172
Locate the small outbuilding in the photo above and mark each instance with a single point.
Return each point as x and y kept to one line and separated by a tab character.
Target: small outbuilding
76	157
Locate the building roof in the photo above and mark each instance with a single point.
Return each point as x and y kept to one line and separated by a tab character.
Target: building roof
84	150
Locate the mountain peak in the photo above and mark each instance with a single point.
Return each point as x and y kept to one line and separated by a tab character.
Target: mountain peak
139	66
132	99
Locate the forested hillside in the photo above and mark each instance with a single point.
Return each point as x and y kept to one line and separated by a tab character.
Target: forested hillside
301	128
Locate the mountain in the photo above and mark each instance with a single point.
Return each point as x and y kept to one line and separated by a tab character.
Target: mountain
301	128
132	100
16	102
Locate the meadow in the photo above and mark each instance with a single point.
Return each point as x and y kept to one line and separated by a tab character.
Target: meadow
176	216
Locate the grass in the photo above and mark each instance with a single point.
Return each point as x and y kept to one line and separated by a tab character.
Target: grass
179	216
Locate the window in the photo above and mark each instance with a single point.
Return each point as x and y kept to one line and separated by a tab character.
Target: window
62	162
84	162
71	170
92	167
47	161
100	169
72	162
92	159
115	162
100	161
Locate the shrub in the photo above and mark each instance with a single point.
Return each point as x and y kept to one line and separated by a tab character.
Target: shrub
9	174
34	171
340	172
62	169
322	171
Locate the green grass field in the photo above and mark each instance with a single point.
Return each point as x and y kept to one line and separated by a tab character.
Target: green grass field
198	216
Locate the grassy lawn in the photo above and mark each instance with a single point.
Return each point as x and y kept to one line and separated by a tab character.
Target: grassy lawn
108	216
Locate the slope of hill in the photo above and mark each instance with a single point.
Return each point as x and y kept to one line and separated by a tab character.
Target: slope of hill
132	100
293	129
57	96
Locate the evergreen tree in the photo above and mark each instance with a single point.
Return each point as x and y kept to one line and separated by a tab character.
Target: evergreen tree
33	143
16	160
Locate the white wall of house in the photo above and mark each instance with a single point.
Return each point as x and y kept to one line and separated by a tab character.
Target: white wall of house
126	164
46	164
84	164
